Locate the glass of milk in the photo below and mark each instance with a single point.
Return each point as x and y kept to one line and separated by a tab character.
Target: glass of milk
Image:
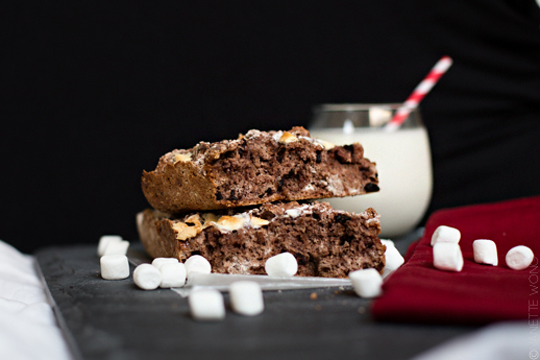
402	157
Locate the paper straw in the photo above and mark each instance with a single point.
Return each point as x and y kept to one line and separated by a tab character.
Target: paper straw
419	92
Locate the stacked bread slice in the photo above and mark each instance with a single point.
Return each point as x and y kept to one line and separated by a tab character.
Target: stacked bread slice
239	202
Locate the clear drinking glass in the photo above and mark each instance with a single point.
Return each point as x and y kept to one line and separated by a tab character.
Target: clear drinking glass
403	161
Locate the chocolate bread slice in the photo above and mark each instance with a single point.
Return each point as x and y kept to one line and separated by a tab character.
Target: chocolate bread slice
325	242
257	168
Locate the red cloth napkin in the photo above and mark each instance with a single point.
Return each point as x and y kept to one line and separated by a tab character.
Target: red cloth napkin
479	294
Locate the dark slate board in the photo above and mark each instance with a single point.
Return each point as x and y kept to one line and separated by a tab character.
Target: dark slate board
116	320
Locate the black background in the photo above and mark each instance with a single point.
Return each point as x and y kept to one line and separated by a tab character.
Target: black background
95	92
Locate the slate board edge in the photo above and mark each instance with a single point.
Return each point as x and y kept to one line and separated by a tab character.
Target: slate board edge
68	336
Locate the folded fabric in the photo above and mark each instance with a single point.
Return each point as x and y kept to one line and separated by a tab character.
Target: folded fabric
479	294
28	328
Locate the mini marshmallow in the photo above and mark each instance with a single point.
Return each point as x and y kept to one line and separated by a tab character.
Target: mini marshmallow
519	257
246	298
393	258
114	267
447	256
197	263
284	264
158	262
445	234
206	304
367	283
147	277
485	252
173	274
117	248
104	241
388	242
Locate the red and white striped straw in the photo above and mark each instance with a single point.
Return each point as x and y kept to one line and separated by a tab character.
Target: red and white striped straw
419	92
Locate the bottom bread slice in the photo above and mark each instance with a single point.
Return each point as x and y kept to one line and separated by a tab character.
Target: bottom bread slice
325	242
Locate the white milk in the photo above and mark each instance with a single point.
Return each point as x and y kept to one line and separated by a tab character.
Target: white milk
405	177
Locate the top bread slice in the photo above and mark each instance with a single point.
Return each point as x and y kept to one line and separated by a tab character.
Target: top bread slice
258	167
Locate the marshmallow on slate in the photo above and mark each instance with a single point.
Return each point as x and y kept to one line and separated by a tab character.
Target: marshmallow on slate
197	263
367	283
147	276
206	304
393	258
447	256
173	275
104	241
158	262
519	257
117	248
246	298
485	252
445	234
114	267
284	264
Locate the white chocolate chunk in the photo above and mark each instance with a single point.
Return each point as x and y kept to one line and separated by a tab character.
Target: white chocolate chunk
393	258
367	283
181	157
445	234
309	187
187	229
277	135
209	217
117	248
197	263
114	267
206	304
246	298
287	138
519	257
258	222
296	212
230	223
293	213
284	264
104	241
172	275
160	261
447	256
485	252
327	145
147	277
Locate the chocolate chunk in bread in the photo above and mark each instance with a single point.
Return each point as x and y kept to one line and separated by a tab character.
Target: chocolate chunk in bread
326	242
257	168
